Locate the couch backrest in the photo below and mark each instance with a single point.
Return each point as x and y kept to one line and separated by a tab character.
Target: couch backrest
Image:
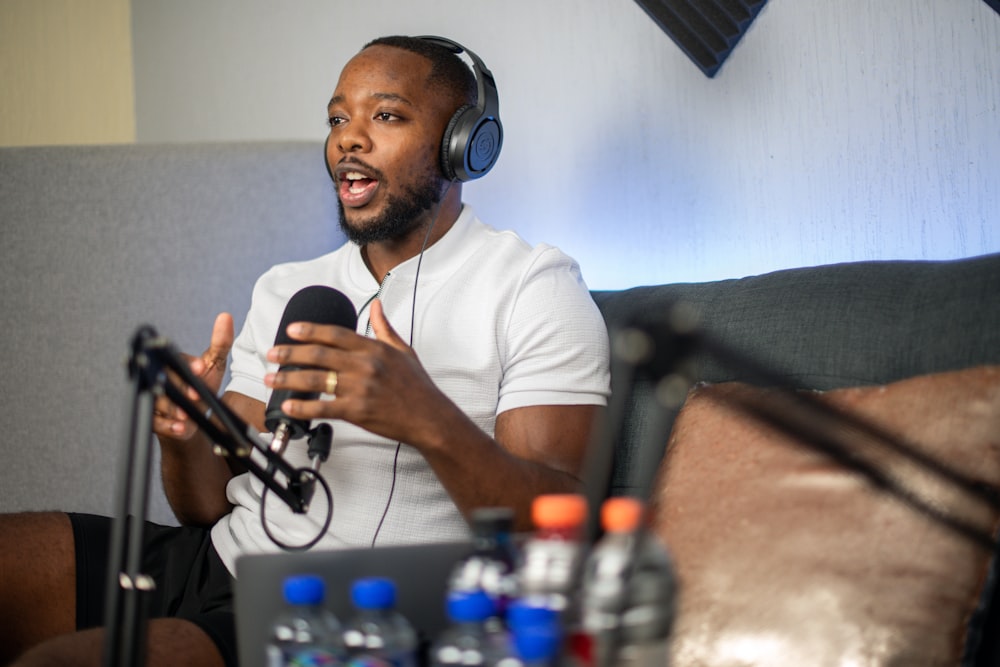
99	240
822	327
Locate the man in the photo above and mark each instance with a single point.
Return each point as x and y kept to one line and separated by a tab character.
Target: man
474	377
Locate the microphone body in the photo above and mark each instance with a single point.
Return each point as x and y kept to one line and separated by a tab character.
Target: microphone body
321	305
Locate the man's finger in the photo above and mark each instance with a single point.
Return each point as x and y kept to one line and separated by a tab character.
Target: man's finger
383	330
222	342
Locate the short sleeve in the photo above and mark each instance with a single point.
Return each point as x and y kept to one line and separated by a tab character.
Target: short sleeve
557	349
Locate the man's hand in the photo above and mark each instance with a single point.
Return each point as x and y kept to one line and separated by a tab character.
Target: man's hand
380	384
169	421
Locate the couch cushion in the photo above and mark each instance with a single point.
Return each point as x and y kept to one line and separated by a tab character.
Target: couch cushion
787	558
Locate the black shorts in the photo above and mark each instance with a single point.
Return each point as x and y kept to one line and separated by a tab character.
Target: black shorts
191	581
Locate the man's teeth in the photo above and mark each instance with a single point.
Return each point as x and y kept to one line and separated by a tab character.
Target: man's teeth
352	177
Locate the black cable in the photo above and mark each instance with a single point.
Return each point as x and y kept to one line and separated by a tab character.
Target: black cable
392	490
413	320
326	523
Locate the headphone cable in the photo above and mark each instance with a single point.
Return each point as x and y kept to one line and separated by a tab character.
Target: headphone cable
413	320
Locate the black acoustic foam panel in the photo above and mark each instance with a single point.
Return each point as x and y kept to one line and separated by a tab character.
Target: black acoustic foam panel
706	30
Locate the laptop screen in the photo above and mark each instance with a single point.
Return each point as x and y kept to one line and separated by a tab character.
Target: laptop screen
420	572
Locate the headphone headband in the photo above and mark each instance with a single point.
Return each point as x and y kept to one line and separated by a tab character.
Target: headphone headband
473	137
487	100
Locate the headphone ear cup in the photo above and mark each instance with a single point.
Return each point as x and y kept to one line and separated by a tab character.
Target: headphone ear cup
470	145
452	154
483	147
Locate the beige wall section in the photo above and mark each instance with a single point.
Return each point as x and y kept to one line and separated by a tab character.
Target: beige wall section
66	72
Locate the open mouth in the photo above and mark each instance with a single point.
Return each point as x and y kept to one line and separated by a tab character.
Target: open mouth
356	188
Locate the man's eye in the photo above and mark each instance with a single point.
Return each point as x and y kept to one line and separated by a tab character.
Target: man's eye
335	120
385	116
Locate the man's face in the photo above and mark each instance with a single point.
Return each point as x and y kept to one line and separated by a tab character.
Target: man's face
385	134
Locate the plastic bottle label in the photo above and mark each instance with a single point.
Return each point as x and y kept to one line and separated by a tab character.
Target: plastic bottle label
304	658
376	661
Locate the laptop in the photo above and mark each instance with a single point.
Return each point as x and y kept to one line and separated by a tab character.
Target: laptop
420	572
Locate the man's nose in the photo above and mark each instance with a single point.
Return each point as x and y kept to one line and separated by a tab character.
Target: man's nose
354	138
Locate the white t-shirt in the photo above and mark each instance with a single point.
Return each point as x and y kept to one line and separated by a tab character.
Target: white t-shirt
497	325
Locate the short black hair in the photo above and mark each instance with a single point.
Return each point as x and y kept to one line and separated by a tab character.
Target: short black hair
447	69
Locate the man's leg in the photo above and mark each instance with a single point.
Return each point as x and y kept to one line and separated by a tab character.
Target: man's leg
38	603
37	580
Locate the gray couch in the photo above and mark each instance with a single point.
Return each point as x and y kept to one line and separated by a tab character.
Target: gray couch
99	240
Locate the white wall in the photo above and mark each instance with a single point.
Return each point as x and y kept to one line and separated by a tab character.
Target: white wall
849	130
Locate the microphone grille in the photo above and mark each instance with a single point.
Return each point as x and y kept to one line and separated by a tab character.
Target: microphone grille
319	304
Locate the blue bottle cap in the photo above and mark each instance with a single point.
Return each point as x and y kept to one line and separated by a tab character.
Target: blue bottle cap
374	593
304	589
523	614
536	643
470	606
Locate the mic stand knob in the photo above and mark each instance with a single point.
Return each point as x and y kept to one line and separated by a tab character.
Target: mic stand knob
279	440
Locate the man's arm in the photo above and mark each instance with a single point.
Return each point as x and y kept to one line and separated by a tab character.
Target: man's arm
536	450
194	478
383	388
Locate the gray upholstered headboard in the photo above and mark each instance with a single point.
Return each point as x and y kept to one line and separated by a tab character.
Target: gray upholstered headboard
99	240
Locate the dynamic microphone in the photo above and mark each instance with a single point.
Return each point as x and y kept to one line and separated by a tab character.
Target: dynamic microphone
321	305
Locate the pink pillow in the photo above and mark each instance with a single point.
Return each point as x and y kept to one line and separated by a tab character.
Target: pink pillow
786	558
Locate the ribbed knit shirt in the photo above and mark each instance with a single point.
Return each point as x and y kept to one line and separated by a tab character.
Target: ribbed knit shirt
497	324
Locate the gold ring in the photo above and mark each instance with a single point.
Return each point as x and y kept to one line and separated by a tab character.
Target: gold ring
331	382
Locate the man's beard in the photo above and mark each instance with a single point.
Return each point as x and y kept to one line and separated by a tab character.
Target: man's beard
400	217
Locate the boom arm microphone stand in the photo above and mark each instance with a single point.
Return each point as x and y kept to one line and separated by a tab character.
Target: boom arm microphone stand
128	589
660	351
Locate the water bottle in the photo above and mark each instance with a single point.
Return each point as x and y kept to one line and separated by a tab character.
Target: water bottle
491	566
470	640
377	634
552	554
305	632
629	592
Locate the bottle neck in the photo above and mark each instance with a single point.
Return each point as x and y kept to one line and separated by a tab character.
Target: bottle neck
571	533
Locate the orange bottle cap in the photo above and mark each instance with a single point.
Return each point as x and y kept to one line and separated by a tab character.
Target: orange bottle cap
621	514
559	510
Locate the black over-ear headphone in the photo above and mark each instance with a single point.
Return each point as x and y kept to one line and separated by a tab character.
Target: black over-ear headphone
473	137
472	140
